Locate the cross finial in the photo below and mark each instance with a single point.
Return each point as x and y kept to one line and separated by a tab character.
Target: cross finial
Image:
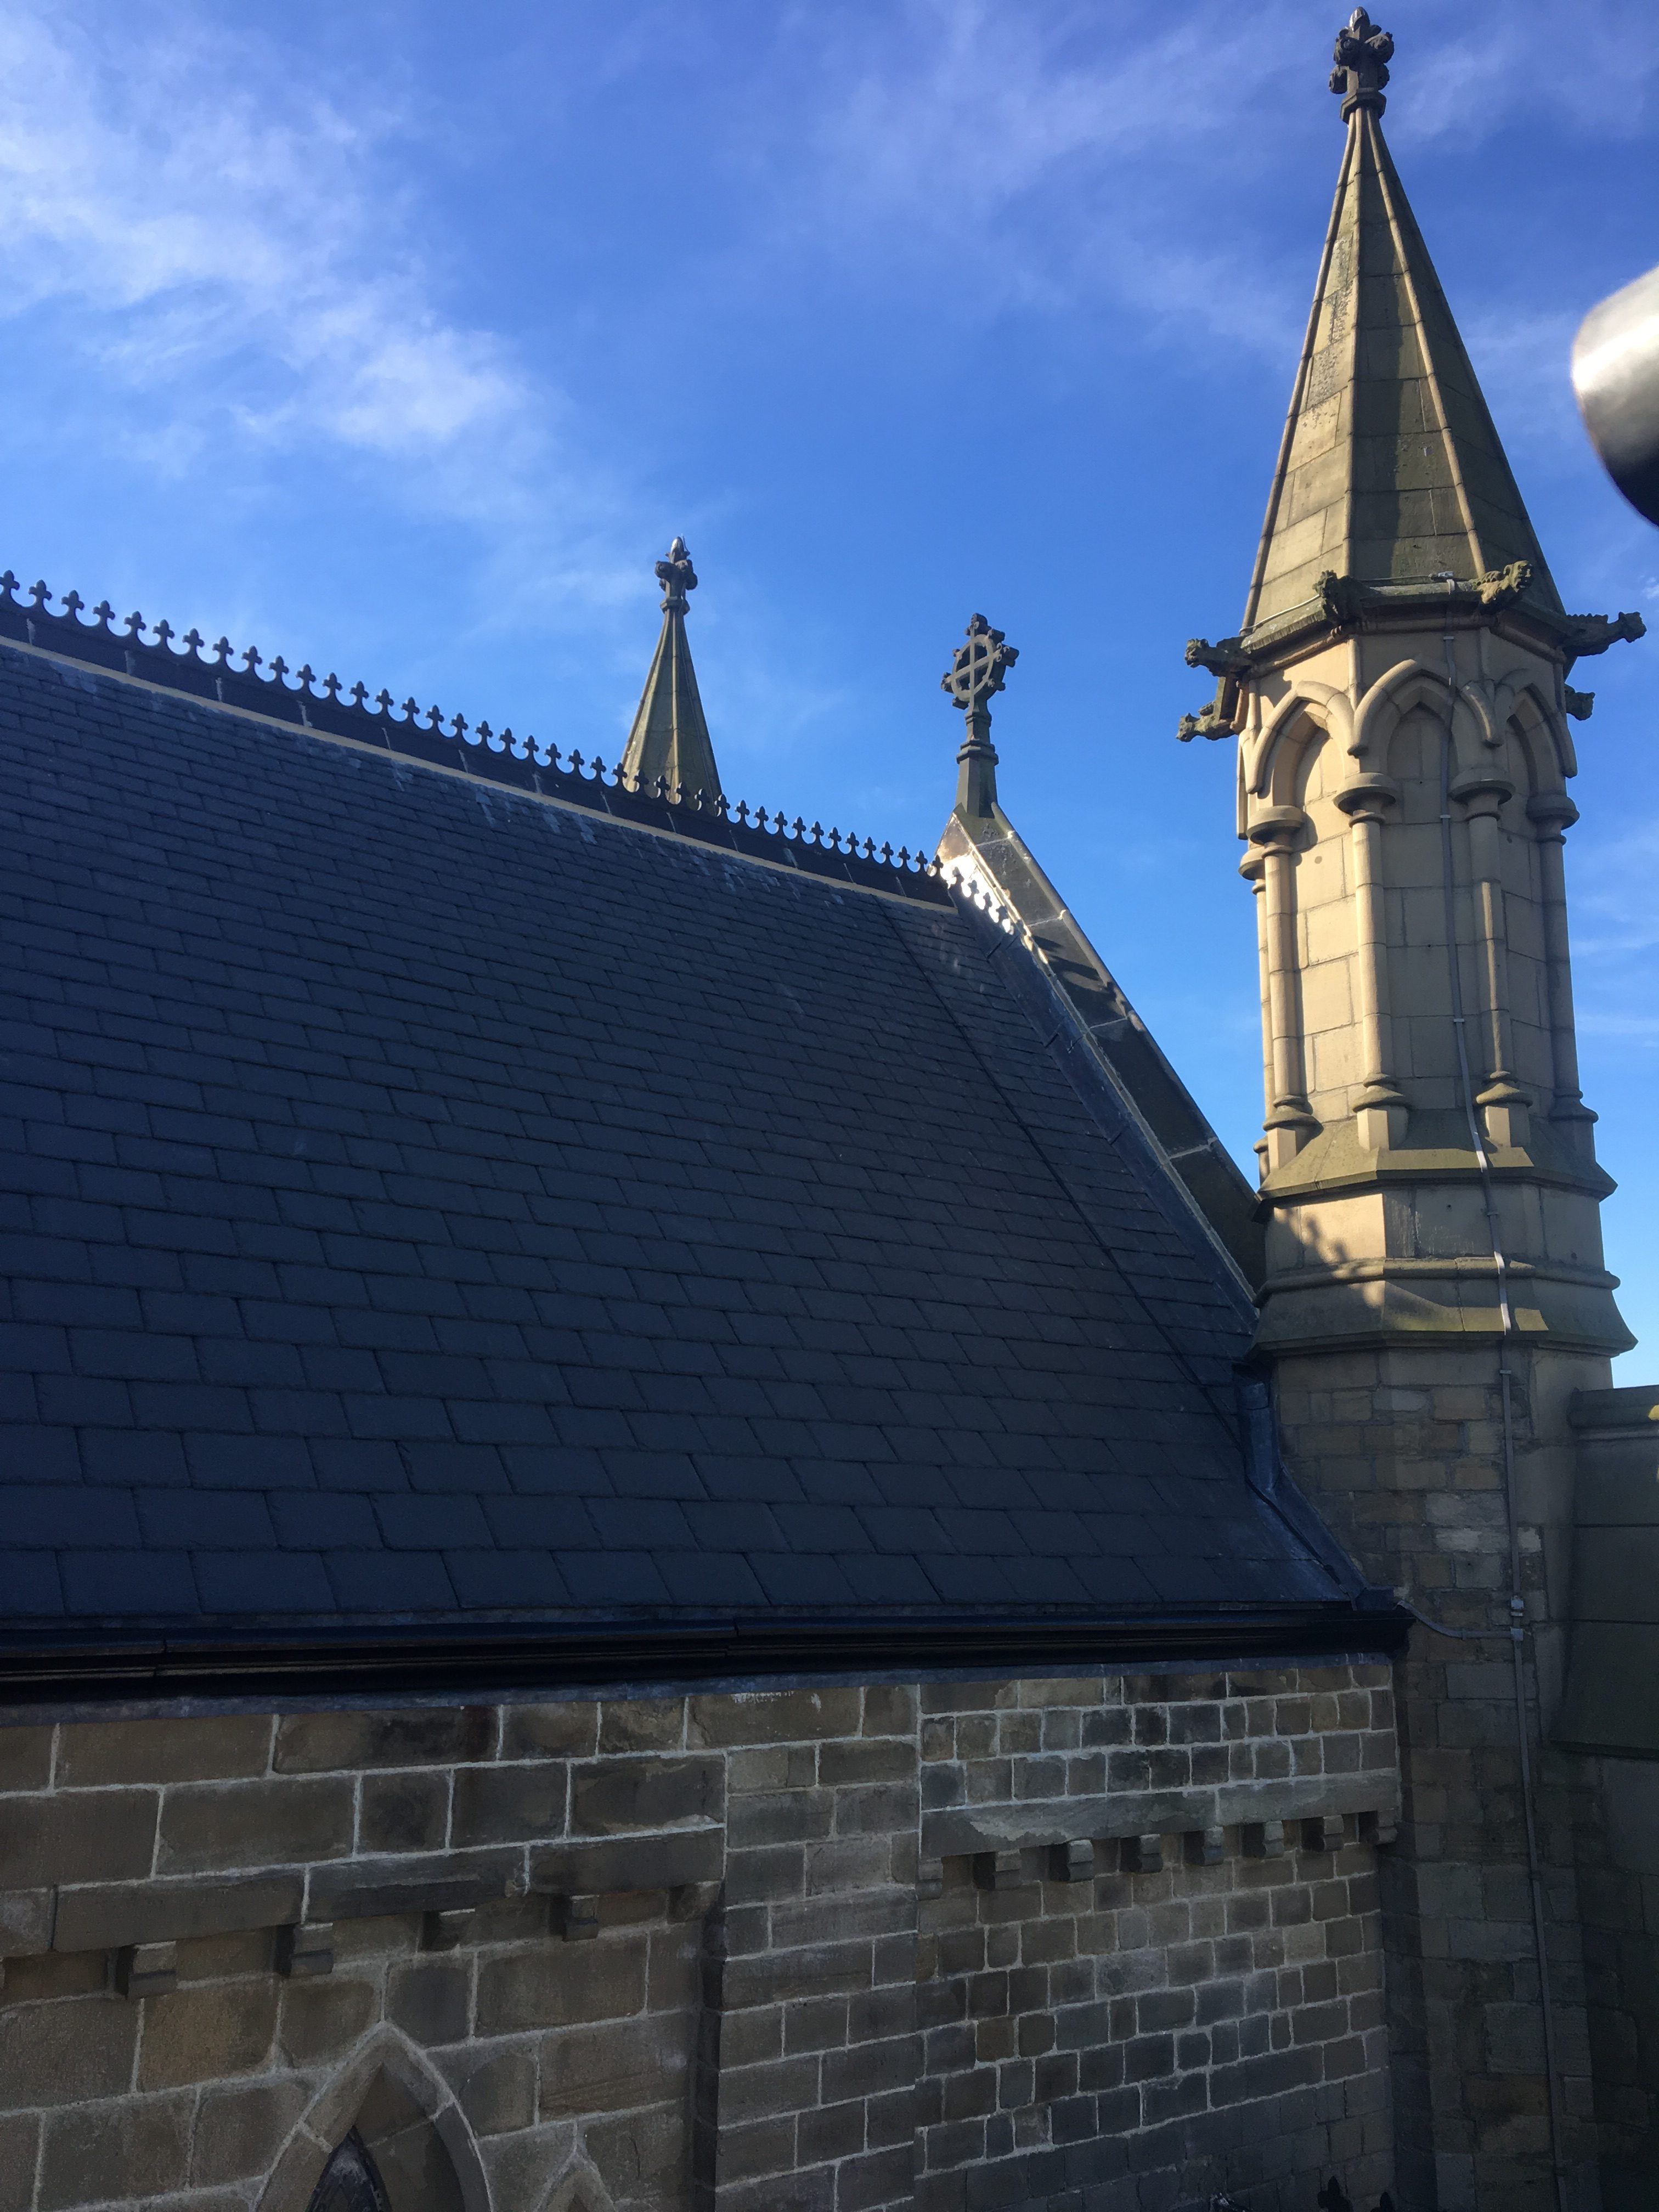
676	576
977	669
1363	55
977	672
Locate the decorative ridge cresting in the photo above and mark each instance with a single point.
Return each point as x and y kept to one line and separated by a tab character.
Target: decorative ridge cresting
523	764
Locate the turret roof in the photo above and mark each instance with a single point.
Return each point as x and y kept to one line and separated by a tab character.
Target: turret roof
669	742
1390	471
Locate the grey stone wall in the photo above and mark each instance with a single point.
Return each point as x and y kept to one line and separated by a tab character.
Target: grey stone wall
842	1948
1401	1448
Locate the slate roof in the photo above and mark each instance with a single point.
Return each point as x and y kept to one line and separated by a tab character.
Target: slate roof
429	1205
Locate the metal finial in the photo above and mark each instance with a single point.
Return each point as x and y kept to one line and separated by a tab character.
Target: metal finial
977	672
676	576
1363	54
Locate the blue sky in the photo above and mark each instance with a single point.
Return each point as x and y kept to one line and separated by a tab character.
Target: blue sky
400	339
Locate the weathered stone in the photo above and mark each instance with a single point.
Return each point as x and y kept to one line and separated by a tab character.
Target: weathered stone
203	2034
599	2070
239	2129
103	1917
577	1918
499	2096
550	1731
510	1804
133	2149
772	1717
72	1837
630	1863
207	1827
322	2018
26	1921
306	1950
213	1749
642	1724
404	1812
147	1970
313	1743
68	2052
446	1931
19	2134
25	1758
612	1795
442	1883
429	1999
561	1984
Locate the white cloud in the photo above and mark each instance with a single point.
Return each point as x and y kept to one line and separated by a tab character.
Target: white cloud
193	221
237	260
1031	154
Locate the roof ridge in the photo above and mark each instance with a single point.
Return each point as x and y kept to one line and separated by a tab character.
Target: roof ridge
473	749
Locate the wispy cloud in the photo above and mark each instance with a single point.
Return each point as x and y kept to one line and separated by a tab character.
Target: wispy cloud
195	221
1616	913
1016	157
235	259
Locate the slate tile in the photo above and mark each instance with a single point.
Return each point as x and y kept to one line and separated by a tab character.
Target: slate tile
322	1520
445	1465
432	1523
615	1578
30	1586
390	1582
699	1578
252	1580
520	1578
248	1462
129	1583
731	1291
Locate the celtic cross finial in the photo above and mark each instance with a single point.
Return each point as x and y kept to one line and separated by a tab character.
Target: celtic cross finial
977	672
1363	54
977	669
676	576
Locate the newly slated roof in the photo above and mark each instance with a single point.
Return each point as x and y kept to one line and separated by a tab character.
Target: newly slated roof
427	1205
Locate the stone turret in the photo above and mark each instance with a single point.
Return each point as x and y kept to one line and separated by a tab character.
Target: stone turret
669	742
1434	1293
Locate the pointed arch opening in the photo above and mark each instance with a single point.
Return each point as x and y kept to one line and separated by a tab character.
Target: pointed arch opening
384	2136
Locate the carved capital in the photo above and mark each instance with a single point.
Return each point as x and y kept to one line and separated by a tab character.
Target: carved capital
1276	829
1553	812
1482	790
1369	798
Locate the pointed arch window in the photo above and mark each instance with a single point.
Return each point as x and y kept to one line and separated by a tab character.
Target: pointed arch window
351	2182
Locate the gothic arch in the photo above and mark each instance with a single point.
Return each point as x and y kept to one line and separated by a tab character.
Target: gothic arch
1541	736
576	2187
410	2122
1378	713
1312	712
1411	685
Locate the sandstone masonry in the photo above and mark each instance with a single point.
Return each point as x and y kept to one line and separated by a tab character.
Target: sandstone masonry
1113	1941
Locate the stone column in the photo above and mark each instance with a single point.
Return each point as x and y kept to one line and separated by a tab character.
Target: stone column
1254	869
1554	814
1380	1109
1290	1121
1504	1104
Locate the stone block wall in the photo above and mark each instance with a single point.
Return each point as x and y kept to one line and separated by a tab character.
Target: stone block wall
1132	2018
1402	1449
837	1948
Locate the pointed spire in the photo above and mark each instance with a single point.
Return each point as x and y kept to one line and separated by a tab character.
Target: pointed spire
977	672
669	740
1390	471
